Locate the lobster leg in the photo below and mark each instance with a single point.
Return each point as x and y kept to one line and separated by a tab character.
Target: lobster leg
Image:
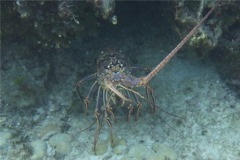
96	115
138	106
107	119
150	98
78	85
108	110
132	91
86	100
130	109
116	92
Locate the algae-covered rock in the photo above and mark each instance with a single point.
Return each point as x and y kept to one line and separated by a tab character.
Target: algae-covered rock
61	143
117	140
158	151
120	149
140	152
51	24
39	149
120	145
163	151
104	8
4	136
101	147
48	129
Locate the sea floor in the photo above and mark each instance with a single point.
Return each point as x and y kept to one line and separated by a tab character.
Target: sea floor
41	117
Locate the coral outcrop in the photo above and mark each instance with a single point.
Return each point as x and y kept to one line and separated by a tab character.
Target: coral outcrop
53	24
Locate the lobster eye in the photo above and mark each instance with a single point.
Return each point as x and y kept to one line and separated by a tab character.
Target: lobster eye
106	67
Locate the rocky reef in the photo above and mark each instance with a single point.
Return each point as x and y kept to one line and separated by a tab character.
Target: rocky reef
52	24
218	38
103	8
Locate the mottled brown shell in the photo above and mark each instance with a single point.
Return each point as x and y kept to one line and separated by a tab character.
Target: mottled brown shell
110	62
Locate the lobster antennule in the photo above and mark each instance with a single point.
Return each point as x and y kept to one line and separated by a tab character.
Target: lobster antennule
146	79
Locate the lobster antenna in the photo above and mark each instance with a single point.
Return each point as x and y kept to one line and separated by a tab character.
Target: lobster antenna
146	79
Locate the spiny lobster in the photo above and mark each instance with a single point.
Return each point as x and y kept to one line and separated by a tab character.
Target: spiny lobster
115	82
